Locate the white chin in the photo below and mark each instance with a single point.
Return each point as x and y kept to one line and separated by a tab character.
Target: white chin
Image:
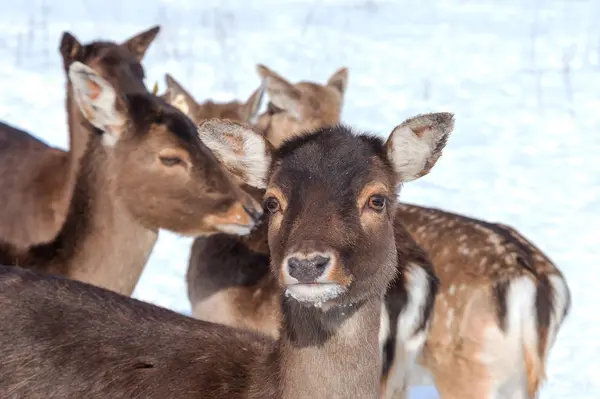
315	294
235	229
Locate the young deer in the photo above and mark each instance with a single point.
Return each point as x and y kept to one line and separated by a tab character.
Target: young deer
236	268
144	168
38	180
331	199
489	258
237	111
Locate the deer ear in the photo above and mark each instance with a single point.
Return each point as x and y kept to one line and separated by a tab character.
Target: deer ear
138	44
70	49
252	105
241	150
339	80
415	145
178	97
97	101
281	92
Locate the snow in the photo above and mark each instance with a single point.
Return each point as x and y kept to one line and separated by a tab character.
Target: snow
522	77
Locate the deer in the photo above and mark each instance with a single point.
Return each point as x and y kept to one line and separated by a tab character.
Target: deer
477	262
330	198
38	179
143	168
176	95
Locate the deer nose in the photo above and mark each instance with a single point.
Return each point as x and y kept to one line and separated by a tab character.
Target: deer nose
308	268
255	212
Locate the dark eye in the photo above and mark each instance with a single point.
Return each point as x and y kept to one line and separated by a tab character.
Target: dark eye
377	203
171	161
272	205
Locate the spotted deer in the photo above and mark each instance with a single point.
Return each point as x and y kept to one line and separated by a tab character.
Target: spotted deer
238	111
143	168
40	178
331	198
246	299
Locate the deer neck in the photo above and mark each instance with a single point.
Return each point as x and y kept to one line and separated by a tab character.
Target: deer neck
101	242
333	353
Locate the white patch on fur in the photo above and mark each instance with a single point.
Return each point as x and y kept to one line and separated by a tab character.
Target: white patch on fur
561	299
254	159
503	351
104	112
409	153
317	294
418	287
451	290
384	326
179	101
235	229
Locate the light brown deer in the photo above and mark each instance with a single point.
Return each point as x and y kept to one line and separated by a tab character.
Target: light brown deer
40	178
486	258
238	111
333	255
142	168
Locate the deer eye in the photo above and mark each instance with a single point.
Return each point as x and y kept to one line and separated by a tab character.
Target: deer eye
377	203
171	161
272	205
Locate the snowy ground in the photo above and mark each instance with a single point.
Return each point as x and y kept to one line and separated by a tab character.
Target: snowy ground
522	76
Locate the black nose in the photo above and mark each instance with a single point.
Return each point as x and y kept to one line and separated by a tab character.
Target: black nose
307	269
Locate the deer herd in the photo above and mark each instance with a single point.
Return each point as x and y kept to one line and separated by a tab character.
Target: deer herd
307	277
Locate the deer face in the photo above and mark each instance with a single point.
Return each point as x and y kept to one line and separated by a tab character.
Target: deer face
119	64
331	198
300	107
161	171
237	111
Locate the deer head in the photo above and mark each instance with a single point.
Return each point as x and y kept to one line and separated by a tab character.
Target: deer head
237	111
300	107
158	167
119	64
331	199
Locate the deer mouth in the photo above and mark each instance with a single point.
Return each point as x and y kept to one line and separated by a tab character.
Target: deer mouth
235	228
316	294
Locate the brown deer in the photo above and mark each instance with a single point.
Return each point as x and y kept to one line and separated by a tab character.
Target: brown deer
331	199
143	168
238	111
38	180
489	257
243	276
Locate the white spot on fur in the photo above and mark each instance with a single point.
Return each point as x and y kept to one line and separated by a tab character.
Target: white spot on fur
496	241
254	159
418	288
451	289
384	326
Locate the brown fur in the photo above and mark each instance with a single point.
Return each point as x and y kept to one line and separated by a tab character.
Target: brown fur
123	193
300	107
39	178
520	258
70	339
180	98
